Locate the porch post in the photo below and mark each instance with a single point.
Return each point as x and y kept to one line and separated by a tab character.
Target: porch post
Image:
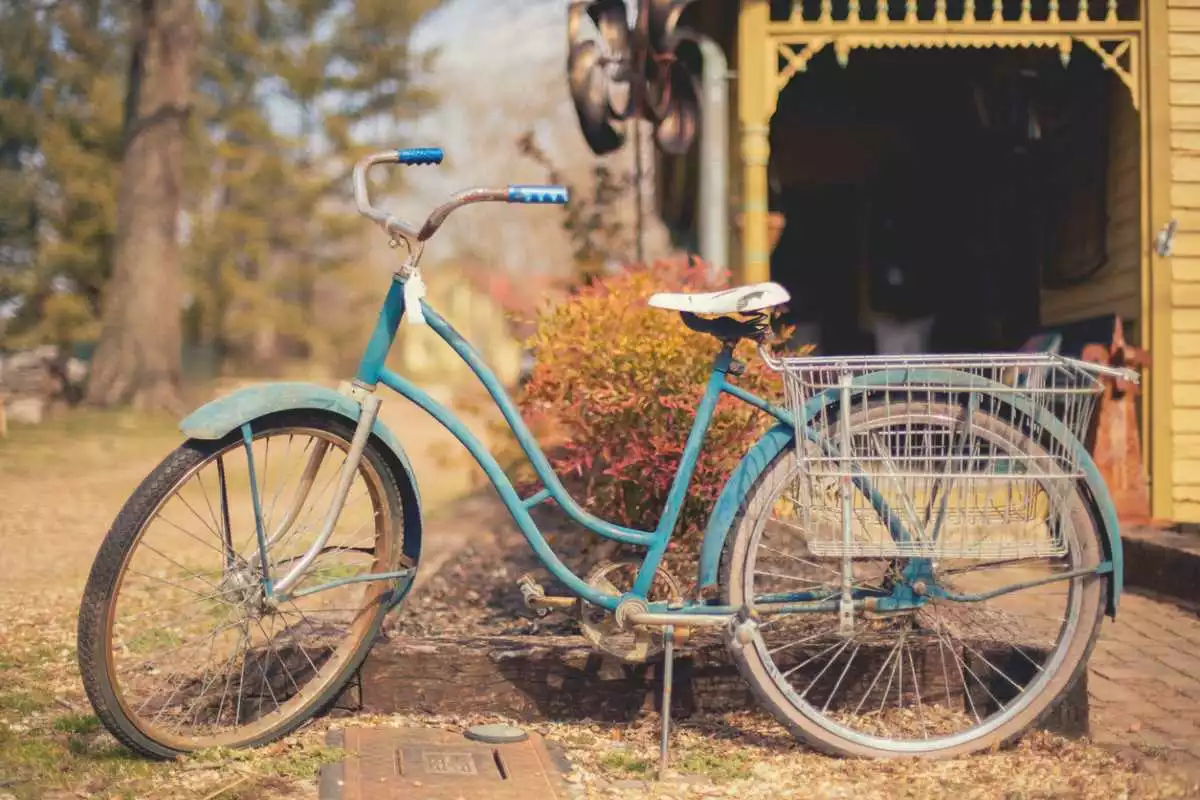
1158	409
756	96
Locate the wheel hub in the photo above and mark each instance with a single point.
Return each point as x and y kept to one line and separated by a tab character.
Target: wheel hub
242	585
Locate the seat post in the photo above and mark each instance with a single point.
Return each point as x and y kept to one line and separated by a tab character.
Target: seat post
724	361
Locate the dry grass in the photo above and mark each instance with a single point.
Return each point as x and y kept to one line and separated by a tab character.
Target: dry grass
60	486
748	757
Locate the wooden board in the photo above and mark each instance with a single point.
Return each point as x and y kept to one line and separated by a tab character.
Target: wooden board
561	678
431	764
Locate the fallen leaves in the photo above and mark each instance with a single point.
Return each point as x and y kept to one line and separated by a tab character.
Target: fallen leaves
51	745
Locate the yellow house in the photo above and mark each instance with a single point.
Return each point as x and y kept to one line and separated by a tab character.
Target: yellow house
1105	94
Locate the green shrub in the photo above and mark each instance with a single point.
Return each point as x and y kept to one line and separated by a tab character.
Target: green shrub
620	381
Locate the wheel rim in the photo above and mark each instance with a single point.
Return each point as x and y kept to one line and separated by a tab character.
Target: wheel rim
260	669
969	673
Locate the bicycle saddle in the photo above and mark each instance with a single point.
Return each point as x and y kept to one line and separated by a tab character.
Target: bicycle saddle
738	300
751	301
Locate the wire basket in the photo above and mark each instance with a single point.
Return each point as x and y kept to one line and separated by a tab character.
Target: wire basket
944	457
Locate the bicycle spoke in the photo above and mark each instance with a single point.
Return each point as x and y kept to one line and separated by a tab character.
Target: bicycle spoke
825	669
158	609
193	710
282	662
207	502
270	513
297	529
303	652
841	677
875	681
174	584
227	527
242	673
917	691
790	645
183	679
175	563
188	533
312	466
898	653
964	666
195	514
810	660
179	647
229	675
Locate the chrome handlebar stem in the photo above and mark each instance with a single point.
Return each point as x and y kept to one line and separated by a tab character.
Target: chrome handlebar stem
390	223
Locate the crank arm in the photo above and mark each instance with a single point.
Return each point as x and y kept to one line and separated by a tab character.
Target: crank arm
552	602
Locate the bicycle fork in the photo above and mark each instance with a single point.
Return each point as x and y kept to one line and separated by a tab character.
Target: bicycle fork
280	589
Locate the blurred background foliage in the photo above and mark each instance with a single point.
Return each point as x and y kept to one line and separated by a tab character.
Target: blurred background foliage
287	94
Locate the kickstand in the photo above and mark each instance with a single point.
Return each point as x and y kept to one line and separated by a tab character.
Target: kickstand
667	678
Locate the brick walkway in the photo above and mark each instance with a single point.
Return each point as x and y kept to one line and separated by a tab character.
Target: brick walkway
1144	683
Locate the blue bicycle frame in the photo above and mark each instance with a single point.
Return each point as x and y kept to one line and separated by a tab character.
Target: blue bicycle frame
372	371
240	412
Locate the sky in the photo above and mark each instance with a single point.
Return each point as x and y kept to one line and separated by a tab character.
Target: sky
500	71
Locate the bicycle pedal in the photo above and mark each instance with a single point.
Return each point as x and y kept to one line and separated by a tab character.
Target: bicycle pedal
536	598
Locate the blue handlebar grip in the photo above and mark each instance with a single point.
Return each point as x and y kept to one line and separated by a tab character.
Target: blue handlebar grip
549	195
420	155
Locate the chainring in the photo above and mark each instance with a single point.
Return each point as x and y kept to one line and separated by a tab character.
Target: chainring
599	626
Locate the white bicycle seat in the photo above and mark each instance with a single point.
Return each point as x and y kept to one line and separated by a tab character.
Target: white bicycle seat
738	300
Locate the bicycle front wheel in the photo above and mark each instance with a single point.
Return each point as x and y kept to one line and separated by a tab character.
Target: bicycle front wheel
179	649
950	677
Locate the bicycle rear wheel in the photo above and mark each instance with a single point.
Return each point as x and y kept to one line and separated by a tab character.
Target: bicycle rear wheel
942	681
178	649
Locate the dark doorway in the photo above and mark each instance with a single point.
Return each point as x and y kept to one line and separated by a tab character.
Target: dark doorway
941	188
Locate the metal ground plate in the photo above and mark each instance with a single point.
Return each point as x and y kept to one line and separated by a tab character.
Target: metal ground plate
427	764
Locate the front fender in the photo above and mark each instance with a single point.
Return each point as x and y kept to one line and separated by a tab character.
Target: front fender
220	417
778	438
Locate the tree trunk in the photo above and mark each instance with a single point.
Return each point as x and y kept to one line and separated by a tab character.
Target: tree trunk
138	360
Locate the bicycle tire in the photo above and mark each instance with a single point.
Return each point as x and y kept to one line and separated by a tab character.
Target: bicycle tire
101	591
755	666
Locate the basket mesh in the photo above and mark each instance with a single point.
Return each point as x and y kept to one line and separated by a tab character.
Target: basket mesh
972	457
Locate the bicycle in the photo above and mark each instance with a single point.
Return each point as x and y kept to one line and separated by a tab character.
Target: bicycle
857	540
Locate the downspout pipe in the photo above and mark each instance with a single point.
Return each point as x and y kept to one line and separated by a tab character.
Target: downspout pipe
713	214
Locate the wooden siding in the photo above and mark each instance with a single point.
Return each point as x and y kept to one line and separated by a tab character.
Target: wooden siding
1116	287
1184	48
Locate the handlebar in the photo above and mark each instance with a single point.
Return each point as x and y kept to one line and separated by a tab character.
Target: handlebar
525	194
417	156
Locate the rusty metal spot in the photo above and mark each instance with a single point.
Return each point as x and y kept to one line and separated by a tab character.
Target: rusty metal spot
426	764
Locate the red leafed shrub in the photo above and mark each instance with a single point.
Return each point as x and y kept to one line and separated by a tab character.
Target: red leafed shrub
620	381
